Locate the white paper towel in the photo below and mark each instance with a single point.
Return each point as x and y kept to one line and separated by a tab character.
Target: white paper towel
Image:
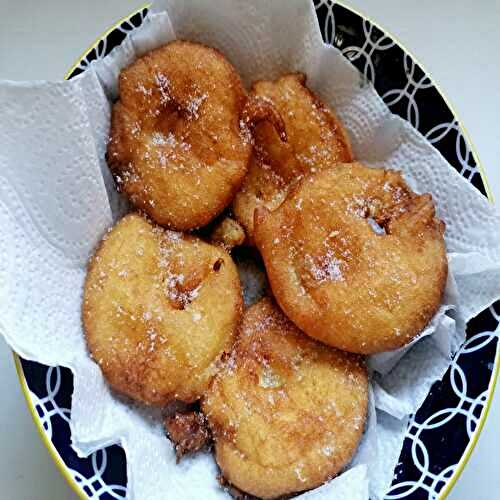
57	198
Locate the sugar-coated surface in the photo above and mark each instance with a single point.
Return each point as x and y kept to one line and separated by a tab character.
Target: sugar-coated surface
343	281
177	149
160	309
315	139
287	413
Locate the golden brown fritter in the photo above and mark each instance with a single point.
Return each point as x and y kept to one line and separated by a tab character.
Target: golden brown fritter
236	493
159	311
262	187
188	431
286	412
228	233
177	149
355	258
313	139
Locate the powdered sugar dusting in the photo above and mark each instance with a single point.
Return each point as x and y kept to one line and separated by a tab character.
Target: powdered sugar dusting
163	84
194	104
158	139
143	90
326	268
269	379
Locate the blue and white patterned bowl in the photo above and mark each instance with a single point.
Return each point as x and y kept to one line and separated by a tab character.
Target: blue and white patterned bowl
442	434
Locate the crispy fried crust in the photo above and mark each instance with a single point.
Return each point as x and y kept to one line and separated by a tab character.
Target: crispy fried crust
234	492
176	146
228	233
159	310
188	431
314	139
340	281
286	412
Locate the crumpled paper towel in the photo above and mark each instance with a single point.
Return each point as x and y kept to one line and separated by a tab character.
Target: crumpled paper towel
57	198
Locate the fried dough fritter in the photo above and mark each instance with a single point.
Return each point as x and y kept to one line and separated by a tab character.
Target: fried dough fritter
228	233
160	309
188	431
236	493
262	187
286	412
177	147
314	139
355	258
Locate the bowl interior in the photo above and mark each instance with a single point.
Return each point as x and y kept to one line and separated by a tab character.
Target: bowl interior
441	435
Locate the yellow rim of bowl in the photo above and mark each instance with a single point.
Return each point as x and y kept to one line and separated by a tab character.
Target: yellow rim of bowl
494	376
63	469
491	388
